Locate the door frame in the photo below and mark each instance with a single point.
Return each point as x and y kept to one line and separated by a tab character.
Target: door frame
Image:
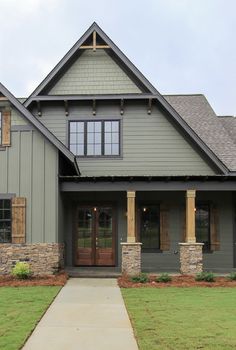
97	204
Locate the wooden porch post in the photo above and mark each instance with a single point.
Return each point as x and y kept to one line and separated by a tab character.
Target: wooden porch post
131	217
190	216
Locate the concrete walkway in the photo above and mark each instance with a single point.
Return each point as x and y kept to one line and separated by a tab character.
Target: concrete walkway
87	314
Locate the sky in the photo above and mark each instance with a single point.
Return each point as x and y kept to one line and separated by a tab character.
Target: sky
181	46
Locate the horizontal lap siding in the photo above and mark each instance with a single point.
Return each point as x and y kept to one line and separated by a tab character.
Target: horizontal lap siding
29	169
151	145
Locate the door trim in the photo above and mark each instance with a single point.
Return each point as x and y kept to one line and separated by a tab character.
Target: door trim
113	207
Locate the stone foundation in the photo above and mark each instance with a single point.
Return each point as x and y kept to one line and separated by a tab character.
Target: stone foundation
43	258
190	258
131	258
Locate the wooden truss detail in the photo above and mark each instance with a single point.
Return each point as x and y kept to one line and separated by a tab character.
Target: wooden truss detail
94	47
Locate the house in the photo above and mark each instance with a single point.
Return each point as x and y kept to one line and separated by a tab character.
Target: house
97	168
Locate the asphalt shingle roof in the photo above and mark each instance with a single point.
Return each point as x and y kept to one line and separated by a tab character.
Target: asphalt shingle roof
216	132
229	123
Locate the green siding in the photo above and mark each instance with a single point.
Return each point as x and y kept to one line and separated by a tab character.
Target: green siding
168	261
151	145
29	169
16	118
94	73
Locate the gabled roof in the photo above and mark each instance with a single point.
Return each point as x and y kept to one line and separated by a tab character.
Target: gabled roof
216	159
218	133
119	54
39	126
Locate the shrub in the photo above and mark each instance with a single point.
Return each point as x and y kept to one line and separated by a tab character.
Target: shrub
232	276
21	270
142	278
205	276
164	278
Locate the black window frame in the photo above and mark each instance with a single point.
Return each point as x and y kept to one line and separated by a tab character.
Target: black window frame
140	206
7	220
206	247
85	144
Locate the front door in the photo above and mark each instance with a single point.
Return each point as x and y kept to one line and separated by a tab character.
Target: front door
95	236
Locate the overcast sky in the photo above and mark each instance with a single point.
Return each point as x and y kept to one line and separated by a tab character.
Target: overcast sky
181	46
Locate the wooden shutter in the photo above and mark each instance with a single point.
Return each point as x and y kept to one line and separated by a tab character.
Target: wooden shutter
6	128
18	219
214	227
164	228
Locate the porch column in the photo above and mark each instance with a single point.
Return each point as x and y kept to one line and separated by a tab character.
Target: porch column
190	216
131	250
131	217
190	251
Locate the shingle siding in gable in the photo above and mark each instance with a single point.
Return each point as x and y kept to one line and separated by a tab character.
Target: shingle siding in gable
94	73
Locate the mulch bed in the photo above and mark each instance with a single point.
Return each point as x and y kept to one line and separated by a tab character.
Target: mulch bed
47	280
177	281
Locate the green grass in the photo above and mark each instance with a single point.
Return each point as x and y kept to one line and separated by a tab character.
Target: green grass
183	318
20	309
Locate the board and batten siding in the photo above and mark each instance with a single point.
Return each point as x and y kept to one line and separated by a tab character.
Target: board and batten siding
150	144
29	168
94	73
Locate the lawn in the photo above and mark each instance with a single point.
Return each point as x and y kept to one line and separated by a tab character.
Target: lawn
183	318
20	309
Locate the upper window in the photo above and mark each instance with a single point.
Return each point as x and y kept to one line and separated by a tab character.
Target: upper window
203	225
95	138
5	220
150	227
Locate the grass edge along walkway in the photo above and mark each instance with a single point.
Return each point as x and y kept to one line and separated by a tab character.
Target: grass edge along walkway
182	318
21	308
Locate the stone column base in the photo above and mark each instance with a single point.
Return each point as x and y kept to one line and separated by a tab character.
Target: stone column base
131	258
43	258
190	258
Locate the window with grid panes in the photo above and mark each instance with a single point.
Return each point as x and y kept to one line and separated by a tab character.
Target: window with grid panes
95	138
5	220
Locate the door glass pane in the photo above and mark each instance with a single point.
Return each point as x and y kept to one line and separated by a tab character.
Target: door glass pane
104	234
85	228
203	225
150	226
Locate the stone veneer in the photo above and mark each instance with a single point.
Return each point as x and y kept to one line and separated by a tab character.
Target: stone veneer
43	258
131	258
190	258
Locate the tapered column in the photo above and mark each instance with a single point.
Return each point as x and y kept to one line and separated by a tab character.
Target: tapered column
190	216
131	217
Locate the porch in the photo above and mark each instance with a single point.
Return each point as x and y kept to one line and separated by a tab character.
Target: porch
172	224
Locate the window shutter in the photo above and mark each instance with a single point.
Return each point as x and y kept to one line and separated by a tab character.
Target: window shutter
164	228
18	219
6	128
214	227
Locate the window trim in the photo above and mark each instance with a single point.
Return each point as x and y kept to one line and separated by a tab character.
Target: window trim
102	120
205	203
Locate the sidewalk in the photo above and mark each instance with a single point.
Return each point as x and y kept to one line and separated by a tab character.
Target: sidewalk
87	314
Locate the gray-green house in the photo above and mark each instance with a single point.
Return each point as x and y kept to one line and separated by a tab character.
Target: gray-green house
97	168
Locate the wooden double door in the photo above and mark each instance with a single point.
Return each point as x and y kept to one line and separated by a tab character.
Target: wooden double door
95	236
